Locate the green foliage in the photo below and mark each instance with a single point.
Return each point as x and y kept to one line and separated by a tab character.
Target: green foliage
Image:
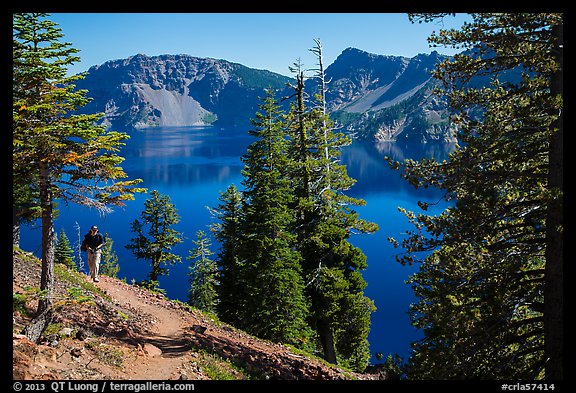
30	293
287	268
53	328
275	307
107	354
256	78
216	368
46	135
63	273
151	285
394	367
158	217
19	302
76	294
481	283
63	252
324	221
109	260
57	153
203	275
232	291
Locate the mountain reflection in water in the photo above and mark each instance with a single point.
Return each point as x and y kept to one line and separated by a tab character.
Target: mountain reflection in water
192	165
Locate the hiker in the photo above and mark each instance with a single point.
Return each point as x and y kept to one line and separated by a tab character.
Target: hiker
93	242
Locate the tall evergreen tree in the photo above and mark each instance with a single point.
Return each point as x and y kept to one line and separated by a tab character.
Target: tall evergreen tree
54	151
203	274
63	252
109	260
158	217
486	303
324	222
232	291
287	266
277	302
78	247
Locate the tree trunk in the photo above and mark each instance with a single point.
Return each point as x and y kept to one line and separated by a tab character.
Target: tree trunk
37	326
322	77
554	287
327	340
42	319
15	227
47	280
303	143
155	268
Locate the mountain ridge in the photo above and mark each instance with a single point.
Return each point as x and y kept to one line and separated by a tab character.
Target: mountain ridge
174	90
364	93
388	98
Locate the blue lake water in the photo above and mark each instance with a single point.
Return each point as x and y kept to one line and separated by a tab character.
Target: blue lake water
194	164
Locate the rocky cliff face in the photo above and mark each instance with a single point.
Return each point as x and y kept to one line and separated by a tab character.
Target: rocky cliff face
175	90
358	79
374	97
387	98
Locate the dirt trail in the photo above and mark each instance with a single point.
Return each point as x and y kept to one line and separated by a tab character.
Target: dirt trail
157	339
175	335
166	349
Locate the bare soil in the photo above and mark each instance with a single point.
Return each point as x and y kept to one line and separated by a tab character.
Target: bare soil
113	330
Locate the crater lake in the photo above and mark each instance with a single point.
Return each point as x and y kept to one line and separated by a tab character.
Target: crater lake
193	165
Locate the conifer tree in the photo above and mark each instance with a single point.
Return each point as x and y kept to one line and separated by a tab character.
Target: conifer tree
109	260
157	219
324	222
78	247
55	151
232	291
277	302
203	274
287	266
63	252
486	306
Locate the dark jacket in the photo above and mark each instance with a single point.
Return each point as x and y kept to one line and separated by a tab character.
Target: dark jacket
93	241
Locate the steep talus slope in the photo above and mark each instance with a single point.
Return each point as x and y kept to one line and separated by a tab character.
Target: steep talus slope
355	74
373	97
387	98
175	90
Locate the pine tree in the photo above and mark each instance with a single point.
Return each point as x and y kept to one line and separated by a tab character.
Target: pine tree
287	267
63	252
54	151
324	222
109	260
158	217
277	304
486	306
203	274
232	291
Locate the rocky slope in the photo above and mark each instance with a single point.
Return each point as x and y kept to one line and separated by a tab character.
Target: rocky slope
175	90
388	98
113	330
374	97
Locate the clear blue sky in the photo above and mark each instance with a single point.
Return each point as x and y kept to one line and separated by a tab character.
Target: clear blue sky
271	41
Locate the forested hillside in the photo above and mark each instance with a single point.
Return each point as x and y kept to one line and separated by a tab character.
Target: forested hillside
488	275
